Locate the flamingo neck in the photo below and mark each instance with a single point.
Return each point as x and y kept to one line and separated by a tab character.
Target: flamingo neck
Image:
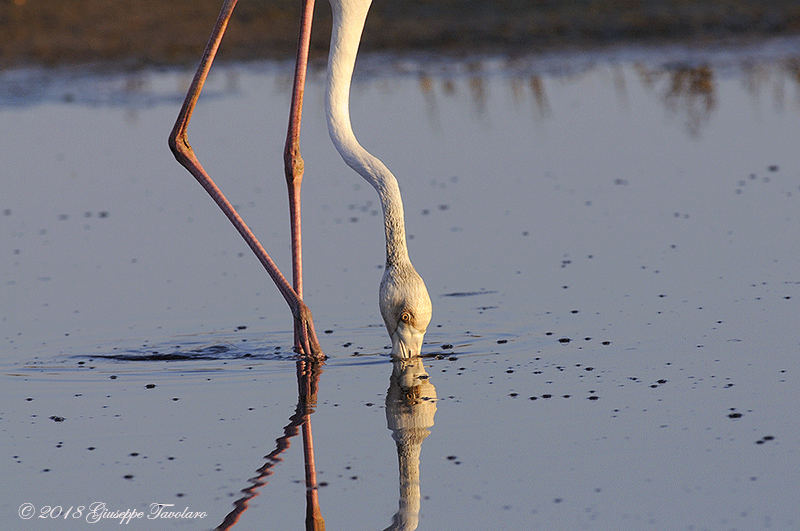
348	24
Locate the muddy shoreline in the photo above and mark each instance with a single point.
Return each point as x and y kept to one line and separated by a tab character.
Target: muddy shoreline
144	33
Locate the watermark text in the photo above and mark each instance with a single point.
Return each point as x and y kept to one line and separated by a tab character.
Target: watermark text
100	512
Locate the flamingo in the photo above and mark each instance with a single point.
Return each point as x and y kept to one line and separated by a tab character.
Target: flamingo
403	299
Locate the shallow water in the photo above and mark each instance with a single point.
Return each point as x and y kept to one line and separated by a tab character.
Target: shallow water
610	245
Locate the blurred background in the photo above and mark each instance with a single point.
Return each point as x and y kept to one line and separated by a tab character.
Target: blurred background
137	33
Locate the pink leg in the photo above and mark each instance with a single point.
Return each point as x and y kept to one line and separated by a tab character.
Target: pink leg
179	144
293	162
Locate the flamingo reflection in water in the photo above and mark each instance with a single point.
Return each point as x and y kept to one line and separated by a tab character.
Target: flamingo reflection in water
403	298
308	373
410	408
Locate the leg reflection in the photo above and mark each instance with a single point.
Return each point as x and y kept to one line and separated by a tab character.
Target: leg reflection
308	373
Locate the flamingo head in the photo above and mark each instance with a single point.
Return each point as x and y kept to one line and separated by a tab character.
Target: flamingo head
406	309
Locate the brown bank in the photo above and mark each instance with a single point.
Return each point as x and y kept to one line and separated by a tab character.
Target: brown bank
150	32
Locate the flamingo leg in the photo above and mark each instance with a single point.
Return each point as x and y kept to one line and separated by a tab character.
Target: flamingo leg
293	162
179	144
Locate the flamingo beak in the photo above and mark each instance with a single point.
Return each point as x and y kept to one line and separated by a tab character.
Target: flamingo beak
407	341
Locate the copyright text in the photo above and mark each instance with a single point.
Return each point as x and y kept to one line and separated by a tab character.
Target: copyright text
99	511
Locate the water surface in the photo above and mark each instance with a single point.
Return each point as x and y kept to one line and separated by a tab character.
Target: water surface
609	243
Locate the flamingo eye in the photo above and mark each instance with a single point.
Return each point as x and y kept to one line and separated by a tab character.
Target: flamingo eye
405	317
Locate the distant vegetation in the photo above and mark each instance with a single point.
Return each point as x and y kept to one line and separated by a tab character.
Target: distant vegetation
166	32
